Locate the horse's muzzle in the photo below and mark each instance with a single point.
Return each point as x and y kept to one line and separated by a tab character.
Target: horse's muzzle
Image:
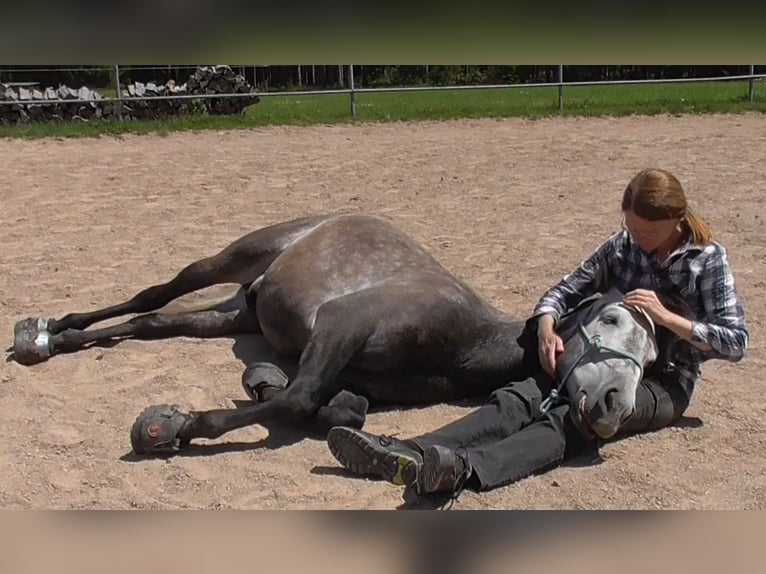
601	418
579	417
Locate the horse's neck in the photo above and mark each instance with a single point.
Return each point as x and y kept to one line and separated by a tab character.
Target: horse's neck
495	349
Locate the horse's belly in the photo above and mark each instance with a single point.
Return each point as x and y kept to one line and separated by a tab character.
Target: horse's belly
288	302
286	318
379	359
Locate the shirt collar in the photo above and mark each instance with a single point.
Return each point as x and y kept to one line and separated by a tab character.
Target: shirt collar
686	246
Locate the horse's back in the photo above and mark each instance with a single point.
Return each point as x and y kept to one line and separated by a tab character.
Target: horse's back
353	254
346	254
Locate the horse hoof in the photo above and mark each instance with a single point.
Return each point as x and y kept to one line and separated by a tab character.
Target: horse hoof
156	429
259	376
31	341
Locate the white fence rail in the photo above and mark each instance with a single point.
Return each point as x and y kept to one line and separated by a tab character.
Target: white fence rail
751	78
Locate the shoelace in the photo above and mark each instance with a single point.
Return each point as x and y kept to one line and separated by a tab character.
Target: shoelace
460	484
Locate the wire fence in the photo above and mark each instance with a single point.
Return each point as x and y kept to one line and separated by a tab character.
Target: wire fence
351	90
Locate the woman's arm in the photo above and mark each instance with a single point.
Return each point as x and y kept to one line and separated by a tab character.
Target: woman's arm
722	333
723	329
589	278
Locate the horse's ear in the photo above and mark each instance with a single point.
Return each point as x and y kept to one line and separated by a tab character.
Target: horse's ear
528	337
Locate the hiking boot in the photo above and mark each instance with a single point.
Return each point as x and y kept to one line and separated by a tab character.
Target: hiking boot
443	470
383	456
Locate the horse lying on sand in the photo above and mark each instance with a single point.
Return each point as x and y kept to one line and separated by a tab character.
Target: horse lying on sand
370	317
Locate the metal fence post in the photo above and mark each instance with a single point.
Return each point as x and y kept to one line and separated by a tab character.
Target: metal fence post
751	85
119	93
561	88
351	85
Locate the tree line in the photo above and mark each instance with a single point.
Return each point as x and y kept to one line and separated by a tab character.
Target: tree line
279	78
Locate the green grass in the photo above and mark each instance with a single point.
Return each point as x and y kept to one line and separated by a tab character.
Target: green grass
689	98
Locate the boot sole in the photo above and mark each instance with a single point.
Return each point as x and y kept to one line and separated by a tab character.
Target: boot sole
430	477
362	456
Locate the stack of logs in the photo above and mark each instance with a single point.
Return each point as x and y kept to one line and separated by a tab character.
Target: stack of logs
29	104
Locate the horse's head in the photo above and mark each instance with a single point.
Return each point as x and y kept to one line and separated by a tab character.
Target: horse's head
607	348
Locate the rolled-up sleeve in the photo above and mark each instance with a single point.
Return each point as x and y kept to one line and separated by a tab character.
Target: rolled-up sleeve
589	278
723	327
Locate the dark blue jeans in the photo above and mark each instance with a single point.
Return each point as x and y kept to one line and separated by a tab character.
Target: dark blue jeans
509	439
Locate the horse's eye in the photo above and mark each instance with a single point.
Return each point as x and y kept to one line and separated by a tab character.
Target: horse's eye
609	319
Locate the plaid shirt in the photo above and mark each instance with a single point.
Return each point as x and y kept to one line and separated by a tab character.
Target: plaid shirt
700	274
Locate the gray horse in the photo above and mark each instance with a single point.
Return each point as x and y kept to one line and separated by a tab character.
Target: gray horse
369	316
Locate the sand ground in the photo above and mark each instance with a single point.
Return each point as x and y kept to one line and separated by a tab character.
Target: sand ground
508	205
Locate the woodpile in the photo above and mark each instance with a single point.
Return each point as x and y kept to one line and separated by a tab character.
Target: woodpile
206	80
28	103
210	80
137	106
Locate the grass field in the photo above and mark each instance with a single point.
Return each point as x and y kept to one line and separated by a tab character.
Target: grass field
441	105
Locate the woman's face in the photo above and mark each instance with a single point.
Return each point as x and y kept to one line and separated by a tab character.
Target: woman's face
650	235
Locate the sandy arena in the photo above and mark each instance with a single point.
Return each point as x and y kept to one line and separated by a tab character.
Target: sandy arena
509	205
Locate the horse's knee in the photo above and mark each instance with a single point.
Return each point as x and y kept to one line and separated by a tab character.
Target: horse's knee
345	409
329	417
300	402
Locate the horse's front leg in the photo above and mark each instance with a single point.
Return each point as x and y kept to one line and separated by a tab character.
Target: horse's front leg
336	337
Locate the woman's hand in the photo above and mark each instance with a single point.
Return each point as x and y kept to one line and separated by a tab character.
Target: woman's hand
550	345
662	316
647	301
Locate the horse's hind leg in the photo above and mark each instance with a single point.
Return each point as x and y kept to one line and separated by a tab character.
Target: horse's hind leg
242	262
32	336
231	317
225	267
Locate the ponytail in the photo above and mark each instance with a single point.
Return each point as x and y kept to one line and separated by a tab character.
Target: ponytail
699	230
